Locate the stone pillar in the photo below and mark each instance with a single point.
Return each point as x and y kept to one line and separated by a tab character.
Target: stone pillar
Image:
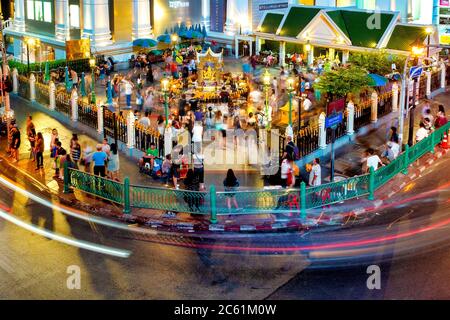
428	90
100	129
52	95
374	114
15	81
250	47
395	91
19	15
350	118
74	105
311	56
167	141
443	75
258	45
62	24
345	56
322	132
141	19
236	47
32	87
331	54
96	22
130	130
282	53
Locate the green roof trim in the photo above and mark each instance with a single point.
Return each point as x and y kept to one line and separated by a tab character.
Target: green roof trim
355	25
403	36
297	19
271	22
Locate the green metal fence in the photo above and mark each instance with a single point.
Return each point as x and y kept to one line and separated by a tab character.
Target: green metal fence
249	202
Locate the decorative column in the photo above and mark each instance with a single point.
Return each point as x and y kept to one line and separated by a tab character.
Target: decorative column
32	87
258	45
395	91
322	132
282	53
100	129
52	95
15	81
374	114
62	24
96	22
350	118
141	19
74	105
130	130
19	15
428	90
345	56
167	141
443	75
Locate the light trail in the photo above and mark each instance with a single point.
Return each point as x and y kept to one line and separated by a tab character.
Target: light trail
69	241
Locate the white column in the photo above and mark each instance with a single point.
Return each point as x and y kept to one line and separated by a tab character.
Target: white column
331	54
19	15
250	47
96	23
311	56
167	141
15	80
130	132
282	53
258	45
141	19
395	91
350	118
428	90
52	95
443	75
100	119
32	87
62	27
374	114
74	105
345	56
206	12
322	132
236	47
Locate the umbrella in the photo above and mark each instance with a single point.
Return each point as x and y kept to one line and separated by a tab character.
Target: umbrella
109	93
377	80
83	86
47	72
145	43
156	52
165	38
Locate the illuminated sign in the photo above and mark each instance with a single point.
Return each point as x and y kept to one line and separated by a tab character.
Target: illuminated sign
273	6
178	4
444	22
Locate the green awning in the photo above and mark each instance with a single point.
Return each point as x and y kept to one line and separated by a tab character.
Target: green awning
403	36
297	19
271	22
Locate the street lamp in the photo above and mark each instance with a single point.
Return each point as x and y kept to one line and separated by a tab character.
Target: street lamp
429	31
92	65
174	39
165	90
266	82
30	42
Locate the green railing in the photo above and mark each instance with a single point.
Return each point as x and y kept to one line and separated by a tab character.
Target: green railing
295	202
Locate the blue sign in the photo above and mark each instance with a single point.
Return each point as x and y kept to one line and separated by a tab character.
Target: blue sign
415	72
333	120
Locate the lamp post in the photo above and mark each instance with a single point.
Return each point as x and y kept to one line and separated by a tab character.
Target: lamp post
429	31
92	65
165	90
30	42
266	82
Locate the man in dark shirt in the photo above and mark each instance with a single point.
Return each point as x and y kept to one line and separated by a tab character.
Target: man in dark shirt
182	106
15	143
289	150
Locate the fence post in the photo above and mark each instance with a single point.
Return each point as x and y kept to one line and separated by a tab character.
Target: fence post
374	113
406	161
395	91
126	196
100	119
428	88
74	104
131	133
15	79
213	195
66	178
350	118
443	75
32	87
372	184
52	95
303	200
322	132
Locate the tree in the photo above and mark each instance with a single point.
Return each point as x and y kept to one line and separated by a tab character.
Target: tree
378	63
343	81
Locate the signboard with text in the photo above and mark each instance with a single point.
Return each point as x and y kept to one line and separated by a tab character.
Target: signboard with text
444	22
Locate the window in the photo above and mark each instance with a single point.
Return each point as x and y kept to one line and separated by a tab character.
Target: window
39	10
74	16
